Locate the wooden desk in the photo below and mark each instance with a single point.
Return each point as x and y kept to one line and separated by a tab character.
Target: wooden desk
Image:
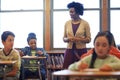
4	64
83	74
37	65
7	62
33	57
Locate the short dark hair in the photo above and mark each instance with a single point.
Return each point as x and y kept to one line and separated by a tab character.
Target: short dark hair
5	34
77	6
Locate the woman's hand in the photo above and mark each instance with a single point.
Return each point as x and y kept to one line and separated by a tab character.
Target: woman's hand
71	39
75	39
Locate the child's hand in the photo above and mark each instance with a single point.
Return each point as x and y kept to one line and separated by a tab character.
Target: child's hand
39	52
21	53
11	74
83	66
105	68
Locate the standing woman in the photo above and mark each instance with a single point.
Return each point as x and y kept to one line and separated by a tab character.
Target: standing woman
76	34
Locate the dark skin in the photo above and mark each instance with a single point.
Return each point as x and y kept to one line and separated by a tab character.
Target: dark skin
75	20
32	44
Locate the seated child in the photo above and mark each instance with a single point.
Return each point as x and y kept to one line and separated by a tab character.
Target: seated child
32	50
100	58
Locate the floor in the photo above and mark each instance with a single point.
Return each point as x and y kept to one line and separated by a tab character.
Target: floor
34	79
31	79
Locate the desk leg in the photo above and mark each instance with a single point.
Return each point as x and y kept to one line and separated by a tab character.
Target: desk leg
54	77
64	78
60	77
23	70
4	72
39	71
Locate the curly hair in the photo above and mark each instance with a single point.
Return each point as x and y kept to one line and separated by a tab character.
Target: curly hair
77	6
31	36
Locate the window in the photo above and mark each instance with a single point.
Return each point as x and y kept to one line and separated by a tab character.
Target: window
114	16
61	15
22	17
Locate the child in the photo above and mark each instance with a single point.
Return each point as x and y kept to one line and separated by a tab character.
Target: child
100	58
113	50
10	54
32	50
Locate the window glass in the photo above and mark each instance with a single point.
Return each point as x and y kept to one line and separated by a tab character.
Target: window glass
115	3
62	4
21	4
115	15
58	28
22	23
59	19
93	18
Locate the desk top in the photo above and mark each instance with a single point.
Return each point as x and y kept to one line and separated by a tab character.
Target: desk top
33	57
90	73
7	62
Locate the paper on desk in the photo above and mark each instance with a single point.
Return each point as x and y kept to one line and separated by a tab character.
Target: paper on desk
91	70
29	56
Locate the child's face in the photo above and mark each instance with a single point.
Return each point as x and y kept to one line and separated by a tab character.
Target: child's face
9	42
32	43
102	46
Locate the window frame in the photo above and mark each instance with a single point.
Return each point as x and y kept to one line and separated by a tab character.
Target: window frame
28	10
53	10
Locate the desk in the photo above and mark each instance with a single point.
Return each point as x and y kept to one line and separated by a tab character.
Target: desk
31	66
83	74
4	64
34	57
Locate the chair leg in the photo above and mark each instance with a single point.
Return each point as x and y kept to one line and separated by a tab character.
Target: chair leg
40	76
